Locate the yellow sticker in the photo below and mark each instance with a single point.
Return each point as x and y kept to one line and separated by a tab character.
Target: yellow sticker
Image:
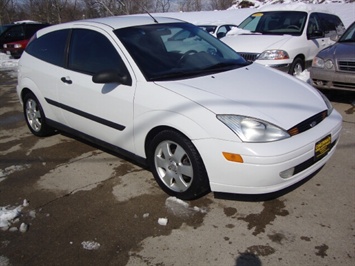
258	15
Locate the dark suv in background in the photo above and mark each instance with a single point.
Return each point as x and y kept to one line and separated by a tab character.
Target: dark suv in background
14	39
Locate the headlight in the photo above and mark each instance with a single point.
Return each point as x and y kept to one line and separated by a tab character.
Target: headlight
250	129
329	64
321	63
273	55
327	103
5	46
318	62
18	45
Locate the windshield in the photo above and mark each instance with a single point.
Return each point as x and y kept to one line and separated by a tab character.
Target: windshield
177	50
349	34
276	22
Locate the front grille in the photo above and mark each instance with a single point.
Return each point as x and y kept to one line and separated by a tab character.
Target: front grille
251	57
343	85
346	65
308	123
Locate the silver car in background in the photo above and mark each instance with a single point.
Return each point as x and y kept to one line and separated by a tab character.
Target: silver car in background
334	67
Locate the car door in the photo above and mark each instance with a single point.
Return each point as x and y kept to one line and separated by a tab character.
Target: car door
102	111
315	37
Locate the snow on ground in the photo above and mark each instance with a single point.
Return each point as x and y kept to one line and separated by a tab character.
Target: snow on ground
9	216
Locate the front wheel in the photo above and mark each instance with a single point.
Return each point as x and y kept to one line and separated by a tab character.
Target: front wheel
177	166
35	118
296	67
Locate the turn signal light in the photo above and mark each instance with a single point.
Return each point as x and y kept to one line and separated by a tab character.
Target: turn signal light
233	157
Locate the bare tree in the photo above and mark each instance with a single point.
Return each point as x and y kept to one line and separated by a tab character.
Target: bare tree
162	6
3	8
191	5
220	4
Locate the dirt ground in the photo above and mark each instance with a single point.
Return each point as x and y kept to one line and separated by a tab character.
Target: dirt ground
79	195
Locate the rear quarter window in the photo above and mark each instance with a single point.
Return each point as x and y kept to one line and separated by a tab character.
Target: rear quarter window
50	47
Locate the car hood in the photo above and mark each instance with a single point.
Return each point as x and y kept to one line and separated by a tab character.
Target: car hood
339	50
255	43
254	91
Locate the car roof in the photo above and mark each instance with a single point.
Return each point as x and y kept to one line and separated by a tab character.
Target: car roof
114	22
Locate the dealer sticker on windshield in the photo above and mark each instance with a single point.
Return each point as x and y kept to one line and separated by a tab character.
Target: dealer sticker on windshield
322	148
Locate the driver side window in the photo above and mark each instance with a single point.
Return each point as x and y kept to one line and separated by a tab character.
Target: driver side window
91	52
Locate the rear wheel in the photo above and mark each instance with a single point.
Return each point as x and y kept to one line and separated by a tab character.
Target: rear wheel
177	166
296	67
35	118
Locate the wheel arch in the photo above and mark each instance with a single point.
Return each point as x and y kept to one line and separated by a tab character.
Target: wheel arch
154	131
292	65
24	92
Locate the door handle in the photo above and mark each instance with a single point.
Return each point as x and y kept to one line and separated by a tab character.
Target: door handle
66	80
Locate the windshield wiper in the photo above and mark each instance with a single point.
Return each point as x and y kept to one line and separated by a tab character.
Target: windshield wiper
223	66
176	75
226	65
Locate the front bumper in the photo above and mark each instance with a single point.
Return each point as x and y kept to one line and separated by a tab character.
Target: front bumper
281	65
263	162
326	79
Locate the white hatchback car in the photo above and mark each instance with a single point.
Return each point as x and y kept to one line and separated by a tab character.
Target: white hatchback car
203	119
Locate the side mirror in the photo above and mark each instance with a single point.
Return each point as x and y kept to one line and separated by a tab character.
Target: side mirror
316	34
221	35
112	76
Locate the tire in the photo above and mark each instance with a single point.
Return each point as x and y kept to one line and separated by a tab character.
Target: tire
177	166
296	67
34	116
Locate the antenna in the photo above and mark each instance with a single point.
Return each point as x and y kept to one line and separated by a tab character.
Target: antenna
142	7
151	16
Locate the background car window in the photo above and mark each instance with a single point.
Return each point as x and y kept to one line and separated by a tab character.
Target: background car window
91	52
14	33
31	29
276	22
330	24
313	24
49	47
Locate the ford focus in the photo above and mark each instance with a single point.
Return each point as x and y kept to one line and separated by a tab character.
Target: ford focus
192	109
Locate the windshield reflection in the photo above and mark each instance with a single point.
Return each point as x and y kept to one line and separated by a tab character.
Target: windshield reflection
177	50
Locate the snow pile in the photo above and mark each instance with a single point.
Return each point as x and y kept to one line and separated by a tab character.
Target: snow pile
7	63
163	221
11	215
8	216
90	245
11	169
181	208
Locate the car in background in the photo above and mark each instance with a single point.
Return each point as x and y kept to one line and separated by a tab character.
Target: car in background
217	30
285	37
197	113
334	67
14	39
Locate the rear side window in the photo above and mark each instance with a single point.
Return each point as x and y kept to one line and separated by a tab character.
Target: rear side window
50	47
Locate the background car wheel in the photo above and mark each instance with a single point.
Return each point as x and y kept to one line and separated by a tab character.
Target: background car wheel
297	67
177	166
35	118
